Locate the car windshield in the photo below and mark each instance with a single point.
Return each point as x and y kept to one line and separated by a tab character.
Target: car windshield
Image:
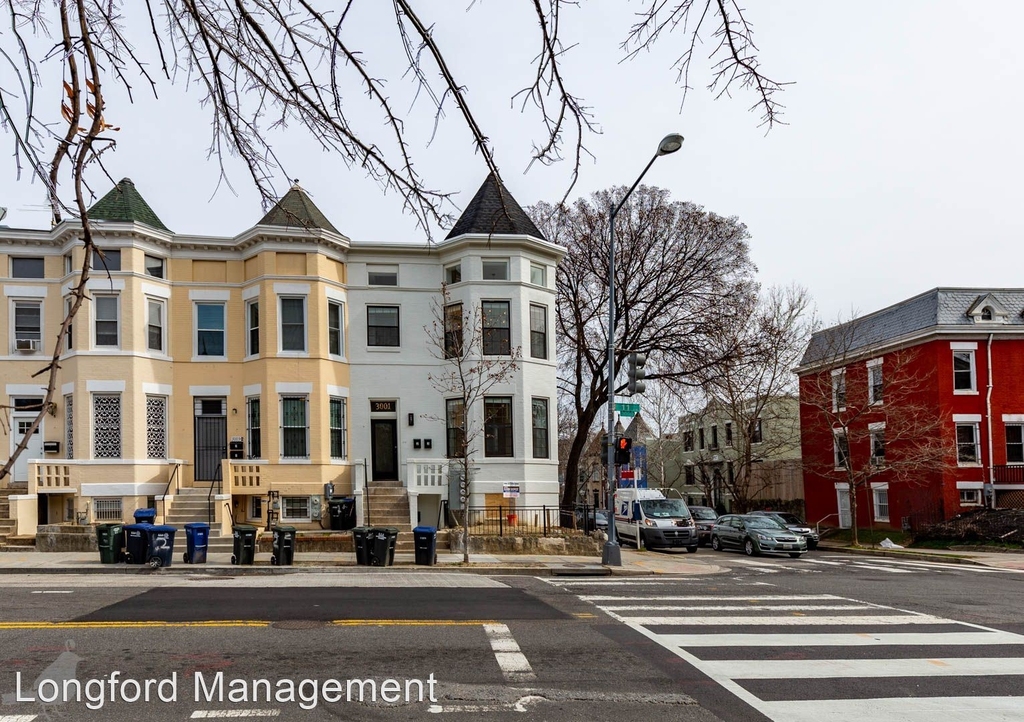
789	519
763	522
703	513
665	508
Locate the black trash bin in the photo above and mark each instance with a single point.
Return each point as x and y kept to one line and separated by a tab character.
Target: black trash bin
342	510
360	542
197	542
425	540
160	551
136	543
145	516
110	540
244	550
284	546
380	546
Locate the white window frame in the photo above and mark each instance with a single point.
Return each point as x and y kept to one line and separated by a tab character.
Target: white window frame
96	319
162	305
69	263
249	328
876	431
839	381
836	434
449	269
195	330
38	303
284	509
385	271
880	510
280	405
249	428
542	270
1006	441
976	428
969	354
970	497
331	302
163	266
281	350
343	428
875	366
494	261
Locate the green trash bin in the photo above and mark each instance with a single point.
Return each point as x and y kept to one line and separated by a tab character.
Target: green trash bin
284	546
359	535
110	540
243	550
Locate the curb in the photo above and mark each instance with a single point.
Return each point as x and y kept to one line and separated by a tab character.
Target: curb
256	571
900	554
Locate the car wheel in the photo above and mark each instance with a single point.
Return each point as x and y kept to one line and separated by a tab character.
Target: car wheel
155	563
234	559
716	544
795	555
750	548
691	550
812	546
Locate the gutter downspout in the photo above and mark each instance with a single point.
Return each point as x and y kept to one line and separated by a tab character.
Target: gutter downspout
988	417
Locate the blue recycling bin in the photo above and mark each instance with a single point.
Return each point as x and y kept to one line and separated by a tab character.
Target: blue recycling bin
160	551
136	543
145	516
425	540
197	541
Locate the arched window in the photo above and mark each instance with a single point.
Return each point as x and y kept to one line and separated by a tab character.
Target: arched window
986	314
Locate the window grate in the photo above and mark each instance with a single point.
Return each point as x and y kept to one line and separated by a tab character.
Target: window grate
108	509
69	425
156	427
107	430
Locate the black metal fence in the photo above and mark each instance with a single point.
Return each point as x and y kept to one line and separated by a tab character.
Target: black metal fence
528	520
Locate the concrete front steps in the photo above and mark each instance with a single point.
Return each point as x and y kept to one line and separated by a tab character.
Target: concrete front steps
386	503
193	505
8	541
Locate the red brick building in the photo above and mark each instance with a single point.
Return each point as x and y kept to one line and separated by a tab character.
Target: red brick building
942	374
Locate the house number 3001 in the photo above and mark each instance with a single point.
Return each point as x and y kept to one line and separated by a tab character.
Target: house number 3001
378	406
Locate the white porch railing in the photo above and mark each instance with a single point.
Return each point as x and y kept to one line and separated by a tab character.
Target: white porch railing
425	476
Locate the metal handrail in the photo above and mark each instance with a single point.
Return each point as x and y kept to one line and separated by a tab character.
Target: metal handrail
218	478
174	477
366	496
817	524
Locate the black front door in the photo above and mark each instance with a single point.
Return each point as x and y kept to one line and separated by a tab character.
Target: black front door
384	441
211	439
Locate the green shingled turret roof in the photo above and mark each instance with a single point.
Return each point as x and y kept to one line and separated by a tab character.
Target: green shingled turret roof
493	210
123	204
296	210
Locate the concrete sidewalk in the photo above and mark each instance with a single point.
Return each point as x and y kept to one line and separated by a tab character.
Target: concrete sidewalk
633	564
1001	560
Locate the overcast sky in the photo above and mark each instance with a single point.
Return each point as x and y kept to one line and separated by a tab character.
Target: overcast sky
898	171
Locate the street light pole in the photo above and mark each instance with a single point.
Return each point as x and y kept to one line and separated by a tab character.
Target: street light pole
612	553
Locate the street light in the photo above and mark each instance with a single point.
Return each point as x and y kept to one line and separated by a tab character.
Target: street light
612	554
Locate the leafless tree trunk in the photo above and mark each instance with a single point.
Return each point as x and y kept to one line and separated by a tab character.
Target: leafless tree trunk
456	337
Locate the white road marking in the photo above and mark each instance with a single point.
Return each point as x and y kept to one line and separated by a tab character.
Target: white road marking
520	705
938	566
234	713
52	591
899	709
661	581
880	568
787	621
822	561
713	598
828	668
842	639
743	608
17	717
511	659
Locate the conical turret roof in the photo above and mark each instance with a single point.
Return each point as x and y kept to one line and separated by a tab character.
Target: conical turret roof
493	210
297	210
124	204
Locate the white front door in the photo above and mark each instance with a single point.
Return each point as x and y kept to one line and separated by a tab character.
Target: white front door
843	502
34	450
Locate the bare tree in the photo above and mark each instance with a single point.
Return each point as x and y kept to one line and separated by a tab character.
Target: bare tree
754	389
868	423
681	273
264	66
662	406
471	369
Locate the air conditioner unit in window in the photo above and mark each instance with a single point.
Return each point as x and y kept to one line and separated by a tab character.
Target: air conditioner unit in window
27	345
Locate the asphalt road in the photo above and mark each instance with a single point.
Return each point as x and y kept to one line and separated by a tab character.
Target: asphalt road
825	637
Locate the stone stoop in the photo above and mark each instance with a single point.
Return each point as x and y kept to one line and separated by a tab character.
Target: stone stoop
189	506
7	540
388	504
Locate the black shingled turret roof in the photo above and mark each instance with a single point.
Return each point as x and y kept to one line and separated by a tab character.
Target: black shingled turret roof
493	210
124	204
296	210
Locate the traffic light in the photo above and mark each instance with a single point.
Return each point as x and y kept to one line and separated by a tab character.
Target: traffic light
623	447
636	372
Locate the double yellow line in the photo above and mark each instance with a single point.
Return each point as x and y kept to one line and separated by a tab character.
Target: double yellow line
227	623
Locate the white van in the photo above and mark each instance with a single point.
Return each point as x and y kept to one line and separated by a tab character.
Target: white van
646	515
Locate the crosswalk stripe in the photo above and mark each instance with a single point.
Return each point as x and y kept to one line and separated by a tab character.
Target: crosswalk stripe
841	639
714	598
621	582
898	709
880	568
740	608
787	621
828	668
937	566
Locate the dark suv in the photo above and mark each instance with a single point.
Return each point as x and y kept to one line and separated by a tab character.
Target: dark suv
704	517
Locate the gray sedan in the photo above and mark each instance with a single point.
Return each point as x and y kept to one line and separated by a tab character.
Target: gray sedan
756	535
